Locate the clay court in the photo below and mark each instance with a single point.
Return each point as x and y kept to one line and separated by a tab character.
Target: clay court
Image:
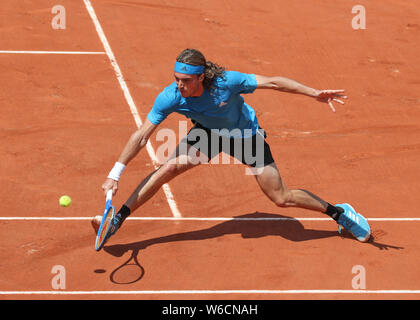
70	99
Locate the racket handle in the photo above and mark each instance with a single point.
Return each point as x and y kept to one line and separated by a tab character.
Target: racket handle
109	195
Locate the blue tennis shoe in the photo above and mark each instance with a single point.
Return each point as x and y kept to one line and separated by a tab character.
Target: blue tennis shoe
354	222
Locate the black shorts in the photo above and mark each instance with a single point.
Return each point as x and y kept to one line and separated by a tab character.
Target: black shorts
253	151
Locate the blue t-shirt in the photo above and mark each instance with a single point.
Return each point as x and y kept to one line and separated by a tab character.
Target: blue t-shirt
222	107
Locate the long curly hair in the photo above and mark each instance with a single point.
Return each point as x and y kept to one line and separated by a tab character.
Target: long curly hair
196	58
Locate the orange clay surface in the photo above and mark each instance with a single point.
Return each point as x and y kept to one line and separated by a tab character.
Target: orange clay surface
64	120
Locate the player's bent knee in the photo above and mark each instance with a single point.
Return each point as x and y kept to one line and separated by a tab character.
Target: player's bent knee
174	169
169	169
281	200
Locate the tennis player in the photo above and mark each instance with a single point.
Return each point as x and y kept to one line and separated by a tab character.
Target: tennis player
212	98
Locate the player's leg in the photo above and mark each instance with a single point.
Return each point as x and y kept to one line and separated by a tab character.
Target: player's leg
187	155
273	186
257	155
271	183
184	158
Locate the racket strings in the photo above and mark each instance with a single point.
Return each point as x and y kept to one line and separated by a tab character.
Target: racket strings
105	227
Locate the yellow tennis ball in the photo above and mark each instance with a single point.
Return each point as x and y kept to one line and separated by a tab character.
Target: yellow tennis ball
65	201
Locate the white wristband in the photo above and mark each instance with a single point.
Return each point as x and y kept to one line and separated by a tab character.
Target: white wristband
116	171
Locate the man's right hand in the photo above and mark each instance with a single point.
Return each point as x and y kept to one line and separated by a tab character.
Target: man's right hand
110	184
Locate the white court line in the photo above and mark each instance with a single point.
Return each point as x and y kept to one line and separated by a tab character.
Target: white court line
130	101
49	52
204	219
195	292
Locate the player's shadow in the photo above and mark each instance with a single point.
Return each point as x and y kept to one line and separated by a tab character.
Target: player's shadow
265	224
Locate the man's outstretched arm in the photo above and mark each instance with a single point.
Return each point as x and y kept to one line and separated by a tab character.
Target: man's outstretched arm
292	86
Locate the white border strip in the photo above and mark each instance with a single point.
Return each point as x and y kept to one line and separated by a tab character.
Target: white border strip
204	219
130	101
49	52
195	292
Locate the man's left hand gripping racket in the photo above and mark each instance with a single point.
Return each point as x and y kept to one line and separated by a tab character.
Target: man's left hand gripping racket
104	230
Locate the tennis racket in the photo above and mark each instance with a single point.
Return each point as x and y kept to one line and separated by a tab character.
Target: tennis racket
105	227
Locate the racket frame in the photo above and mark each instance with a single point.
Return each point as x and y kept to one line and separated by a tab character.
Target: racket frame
109	209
